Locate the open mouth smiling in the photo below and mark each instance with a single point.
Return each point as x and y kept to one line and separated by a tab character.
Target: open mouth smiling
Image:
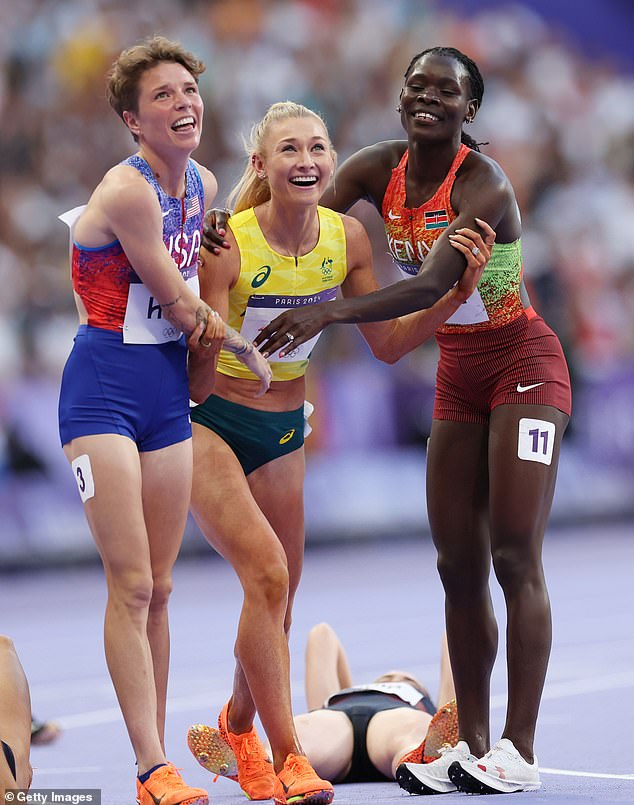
304	181
432	118
184	124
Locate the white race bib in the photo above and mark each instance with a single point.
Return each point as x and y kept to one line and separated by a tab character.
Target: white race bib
263	309
536	440
404	690
144	322
472	311
70	218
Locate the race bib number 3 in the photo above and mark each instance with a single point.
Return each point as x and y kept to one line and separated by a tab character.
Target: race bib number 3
83	475
263	309
144	322
536	439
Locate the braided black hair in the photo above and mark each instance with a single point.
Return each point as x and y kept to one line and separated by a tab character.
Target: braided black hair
476	82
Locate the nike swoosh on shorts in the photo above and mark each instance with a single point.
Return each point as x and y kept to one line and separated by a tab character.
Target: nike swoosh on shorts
521	388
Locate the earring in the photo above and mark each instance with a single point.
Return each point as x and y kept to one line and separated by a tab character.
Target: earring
398	108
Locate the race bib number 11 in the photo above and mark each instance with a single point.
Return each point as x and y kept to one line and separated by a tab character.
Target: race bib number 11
536	439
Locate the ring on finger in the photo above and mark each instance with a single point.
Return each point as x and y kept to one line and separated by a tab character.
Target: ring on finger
475	251
204	344
290	337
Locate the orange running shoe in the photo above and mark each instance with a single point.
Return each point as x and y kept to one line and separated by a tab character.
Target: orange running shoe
255	770
442	731
212	751
298	783
165	786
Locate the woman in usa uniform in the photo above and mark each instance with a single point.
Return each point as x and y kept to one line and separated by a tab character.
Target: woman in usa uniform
124	401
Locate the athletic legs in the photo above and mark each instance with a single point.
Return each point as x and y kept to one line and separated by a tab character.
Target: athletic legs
490	492
521	494
227	513
166	494
127	487
457	480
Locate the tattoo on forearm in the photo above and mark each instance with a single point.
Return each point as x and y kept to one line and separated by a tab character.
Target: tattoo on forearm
170	314
170	304
236	343
202	314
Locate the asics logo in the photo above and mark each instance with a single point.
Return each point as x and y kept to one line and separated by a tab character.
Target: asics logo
287	436
392	217
261	277
521	388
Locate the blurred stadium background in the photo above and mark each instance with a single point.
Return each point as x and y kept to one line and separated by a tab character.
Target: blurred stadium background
558	114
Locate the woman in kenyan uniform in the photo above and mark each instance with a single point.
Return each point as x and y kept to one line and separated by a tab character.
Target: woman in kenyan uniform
502	405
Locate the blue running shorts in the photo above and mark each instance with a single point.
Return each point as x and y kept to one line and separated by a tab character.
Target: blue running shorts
137	390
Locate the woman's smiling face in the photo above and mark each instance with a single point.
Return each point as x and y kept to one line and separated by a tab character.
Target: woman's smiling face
169	108
298	159
436	98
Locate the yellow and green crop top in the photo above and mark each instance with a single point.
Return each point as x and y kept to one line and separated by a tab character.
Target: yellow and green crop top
270	283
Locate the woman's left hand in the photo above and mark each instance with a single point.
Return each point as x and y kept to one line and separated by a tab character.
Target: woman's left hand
208	335
292	328
215	229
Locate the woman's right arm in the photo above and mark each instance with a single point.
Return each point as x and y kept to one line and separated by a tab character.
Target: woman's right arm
131	212
363	176
390	340
129	206
327	670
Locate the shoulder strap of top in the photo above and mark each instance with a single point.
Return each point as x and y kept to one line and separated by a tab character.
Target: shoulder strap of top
140	164
460	157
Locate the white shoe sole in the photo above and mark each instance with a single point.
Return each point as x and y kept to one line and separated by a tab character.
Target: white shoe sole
407	776
476	781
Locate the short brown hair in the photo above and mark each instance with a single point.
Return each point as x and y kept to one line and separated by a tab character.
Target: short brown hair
122	89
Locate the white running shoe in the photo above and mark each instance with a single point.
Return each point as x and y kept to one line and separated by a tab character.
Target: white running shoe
501	771
432	778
